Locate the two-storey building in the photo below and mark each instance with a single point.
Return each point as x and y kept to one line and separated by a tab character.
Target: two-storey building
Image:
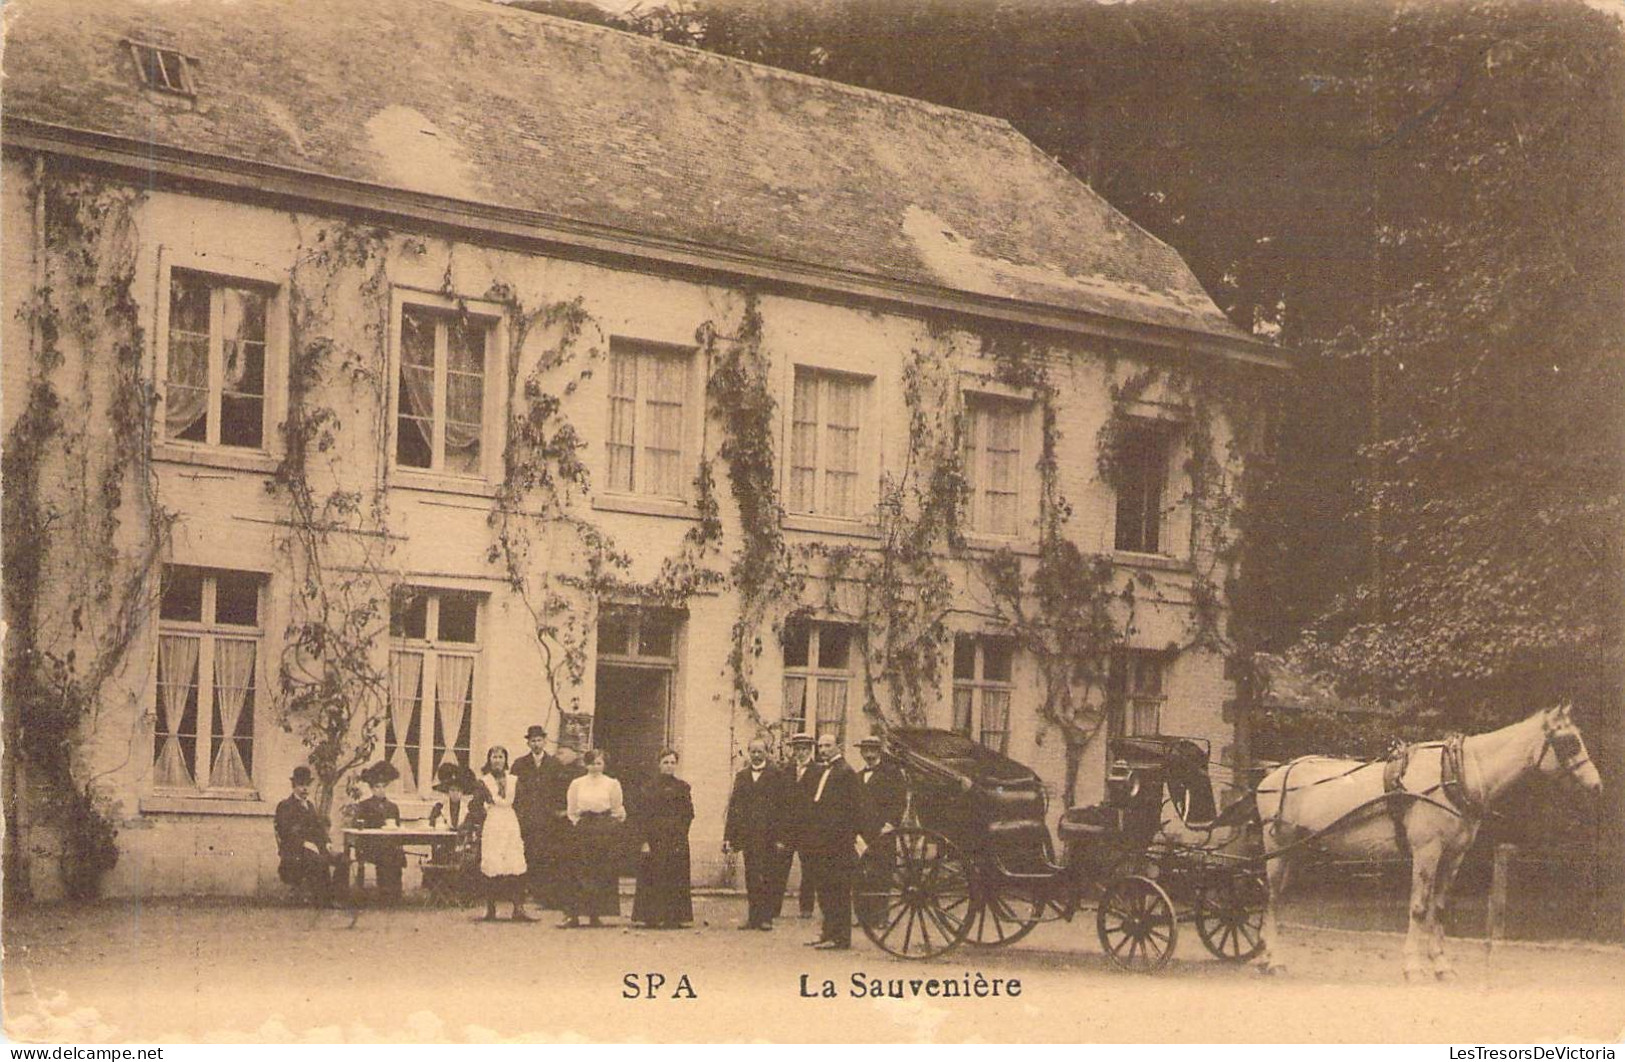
382	378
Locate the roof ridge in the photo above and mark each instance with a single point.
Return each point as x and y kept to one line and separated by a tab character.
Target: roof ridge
654	43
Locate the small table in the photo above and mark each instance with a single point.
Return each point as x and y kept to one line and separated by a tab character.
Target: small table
416	836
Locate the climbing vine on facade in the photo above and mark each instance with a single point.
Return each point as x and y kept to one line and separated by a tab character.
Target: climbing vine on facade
81	514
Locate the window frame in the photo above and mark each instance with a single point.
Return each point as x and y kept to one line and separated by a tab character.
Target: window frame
1165	434
493	408
237	273
185	65
643	351
1124	698
814	675
864	500
431	648
208	633
974	396
978	686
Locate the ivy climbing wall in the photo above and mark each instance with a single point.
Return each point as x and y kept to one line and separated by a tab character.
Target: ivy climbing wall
543	529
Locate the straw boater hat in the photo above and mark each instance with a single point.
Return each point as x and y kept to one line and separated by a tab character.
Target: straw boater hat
380	773
870	742
803	738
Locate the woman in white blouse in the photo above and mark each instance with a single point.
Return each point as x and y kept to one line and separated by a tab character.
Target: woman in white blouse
596	809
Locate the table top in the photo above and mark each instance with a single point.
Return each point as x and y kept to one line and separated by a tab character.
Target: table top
404	832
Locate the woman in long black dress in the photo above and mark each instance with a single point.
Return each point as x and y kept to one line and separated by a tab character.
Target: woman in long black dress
663	900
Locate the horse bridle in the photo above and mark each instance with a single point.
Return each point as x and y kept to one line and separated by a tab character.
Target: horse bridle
1567	747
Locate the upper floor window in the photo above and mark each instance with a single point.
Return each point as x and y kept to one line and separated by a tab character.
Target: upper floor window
826	443
443	399
210	630
650	395
215	361
983	686
1142	478
1134	692
818	677
435	645
994	442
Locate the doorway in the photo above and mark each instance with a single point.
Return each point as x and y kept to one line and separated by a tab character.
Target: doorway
634	704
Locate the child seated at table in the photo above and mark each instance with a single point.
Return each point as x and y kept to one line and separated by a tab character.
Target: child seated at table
376	812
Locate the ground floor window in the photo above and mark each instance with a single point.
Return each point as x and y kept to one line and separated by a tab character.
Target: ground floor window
982	689
209	651
1135	692
434	690
817	677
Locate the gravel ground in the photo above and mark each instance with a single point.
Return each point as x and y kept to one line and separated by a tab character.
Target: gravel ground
176	971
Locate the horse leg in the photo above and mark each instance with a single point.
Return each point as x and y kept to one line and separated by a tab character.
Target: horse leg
1277	871
1424	879
1442	970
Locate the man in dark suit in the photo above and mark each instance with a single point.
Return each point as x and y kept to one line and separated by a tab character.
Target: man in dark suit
801	777
540	788
301	843
834	821
885	791
756	809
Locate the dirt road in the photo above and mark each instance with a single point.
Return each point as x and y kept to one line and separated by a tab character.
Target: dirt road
178	971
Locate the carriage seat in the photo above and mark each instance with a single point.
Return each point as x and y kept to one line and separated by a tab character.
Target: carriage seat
1089	823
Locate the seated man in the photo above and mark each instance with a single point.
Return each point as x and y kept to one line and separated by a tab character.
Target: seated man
301	843
374	813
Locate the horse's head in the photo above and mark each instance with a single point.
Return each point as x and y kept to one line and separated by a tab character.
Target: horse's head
1568	750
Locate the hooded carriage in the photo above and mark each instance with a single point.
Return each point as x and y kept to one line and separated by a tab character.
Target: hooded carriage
976	863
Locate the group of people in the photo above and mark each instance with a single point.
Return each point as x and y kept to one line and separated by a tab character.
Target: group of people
549	828
813	809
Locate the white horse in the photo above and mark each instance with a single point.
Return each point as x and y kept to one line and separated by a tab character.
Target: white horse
1343	808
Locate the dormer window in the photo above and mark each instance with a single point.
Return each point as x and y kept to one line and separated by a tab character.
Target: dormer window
164	69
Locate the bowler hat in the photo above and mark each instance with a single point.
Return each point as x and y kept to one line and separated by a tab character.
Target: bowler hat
803	738
302	775
380	773
535	731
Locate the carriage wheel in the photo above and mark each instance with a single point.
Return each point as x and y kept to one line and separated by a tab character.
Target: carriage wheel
913	894
1230	917
1137	925
1003	915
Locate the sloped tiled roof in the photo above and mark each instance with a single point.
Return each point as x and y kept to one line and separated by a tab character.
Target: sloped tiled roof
476	102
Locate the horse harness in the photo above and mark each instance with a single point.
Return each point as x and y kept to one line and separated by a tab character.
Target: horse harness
1452	772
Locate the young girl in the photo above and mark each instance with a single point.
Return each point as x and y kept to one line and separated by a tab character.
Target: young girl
502	851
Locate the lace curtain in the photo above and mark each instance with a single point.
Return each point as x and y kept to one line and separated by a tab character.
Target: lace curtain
403	702
453	691
177	674
233	682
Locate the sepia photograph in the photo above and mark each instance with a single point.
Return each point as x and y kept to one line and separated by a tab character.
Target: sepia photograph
813	521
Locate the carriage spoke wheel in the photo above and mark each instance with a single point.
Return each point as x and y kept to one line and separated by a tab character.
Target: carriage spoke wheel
1137	925
1002	915
913	894
1230	917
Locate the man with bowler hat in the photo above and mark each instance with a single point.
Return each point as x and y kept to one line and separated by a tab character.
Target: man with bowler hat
885	791
304	861
755	810
539	803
